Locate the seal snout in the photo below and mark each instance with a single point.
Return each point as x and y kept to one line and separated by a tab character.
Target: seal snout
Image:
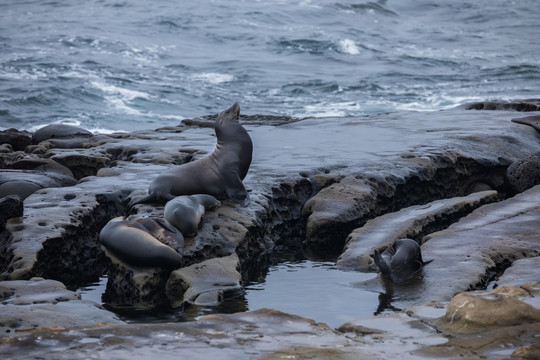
231	114
234	111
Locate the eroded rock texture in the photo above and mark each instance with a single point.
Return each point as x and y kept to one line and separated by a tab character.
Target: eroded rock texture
308	189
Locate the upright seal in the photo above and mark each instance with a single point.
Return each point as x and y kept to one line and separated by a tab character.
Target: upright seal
220	174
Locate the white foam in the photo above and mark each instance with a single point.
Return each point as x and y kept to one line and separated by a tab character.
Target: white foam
67	121
213	78
348	46
332	109
126	94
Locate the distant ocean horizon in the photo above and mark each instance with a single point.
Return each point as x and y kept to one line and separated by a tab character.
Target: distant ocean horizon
131	65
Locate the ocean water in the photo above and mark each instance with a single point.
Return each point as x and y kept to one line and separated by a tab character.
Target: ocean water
111	65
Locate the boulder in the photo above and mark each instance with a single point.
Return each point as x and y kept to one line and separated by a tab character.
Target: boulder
477	310
59	131
524	173
206	283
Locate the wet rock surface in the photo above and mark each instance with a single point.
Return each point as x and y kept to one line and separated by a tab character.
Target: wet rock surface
38	303
308	189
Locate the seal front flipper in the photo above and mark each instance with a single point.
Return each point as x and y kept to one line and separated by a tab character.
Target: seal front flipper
236	191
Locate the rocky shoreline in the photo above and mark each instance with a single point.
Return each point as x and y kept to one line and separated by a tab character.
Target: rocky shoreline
460	182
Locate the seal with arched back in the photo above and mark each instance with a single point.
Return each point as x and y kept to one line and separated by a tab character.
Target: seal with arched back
401	261
220	174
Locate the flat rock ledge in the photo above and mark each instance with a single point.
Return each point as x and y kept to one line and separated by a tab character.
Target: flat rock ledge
480	324
304	191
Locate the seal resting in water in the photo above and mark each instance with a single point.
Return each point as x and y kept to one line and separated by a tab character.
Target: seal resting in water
220	174
401	261
185	212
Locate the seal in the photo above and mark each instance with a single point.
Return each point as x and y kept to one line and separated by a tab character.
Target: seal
401	261
132	243
220	174
185	212
164	232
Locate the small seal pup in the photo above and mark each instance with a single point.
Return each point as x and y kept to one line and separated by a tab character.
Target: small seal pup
220	174
185	212
132	243
400	261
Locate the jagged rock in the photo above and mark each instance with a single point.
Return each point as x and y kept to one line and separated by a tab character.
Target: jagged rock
133	287
59	131
206	283
341	207
411	222
524	173
478	310
402	159
61	245
36	303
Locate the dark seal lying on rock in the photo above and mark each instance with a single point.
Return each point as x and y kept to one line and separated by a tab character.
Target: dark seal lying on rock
133	243
220	174
401	261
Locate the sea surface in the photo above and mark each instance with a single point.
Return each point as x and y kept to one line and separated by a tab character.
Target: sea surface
141	64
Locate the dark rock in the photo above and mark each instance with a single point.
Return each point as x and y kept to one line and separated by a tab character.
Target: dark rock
39	164
59	131
18	140
134	288
525	105
23	183
10	206
524	173
81	165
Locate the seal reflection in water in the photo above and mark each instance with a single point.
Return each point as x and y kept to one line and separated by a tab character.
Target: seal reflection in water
220	174
401	261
